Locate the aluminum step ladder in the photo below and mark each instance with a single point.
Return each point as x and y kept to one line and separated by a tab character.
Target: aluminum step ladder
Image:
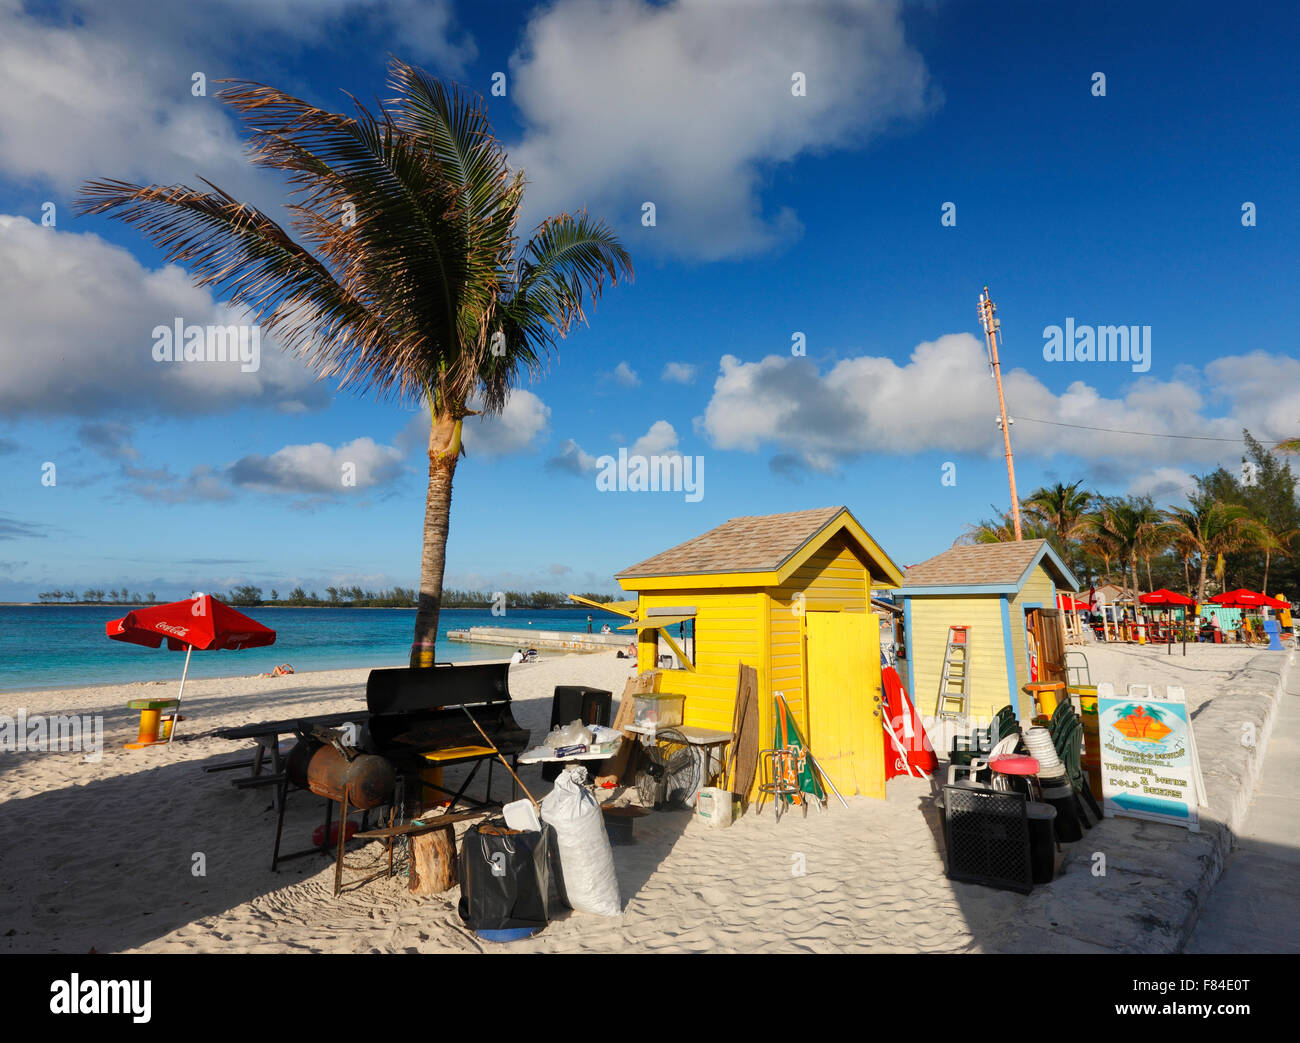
954	682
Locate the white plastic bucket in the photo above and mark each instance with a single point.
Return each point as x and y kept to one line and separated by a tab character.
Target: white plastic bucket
713	807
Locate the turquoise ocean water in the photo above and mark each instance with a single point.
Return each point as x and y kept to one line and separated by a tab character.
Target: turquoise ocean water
64	646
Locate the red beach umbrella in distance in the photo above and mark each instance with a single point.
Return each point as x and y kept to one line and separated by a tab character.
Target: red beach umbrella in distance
199	622
1167	597
1242	598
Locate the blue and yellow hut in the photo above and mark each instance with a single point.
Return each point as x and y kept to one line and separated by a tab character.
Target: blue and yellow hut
1005	593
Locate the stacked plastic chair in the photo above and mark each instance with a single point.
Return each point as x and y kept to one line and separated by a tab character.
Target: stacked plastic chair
982	740
1067	735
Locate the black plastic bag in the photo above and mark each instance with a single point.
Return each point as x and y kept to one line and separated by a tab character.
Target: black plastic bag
508	881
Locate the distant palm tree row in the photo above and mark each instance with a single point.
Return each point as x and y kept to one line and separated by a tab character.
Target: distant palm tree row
404	597
95	596
1229	526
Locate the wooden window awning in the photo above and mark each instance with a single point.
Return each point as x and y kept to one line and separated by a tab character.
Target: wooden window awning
655	622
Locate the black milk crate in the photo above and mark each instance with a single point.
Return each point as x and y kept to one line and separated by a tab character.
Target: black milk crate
987	836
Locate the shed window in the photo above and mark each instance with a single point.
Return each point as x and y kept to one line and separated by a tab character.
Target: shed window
665	631
683	633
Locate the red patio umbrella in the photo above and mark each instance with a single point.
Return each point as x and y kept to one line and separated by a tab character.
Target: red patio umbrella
1242	598
199	622
1167	597
1071	604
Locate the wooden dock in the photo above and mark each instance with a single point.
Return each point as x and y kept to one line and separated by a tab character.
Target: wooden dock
563	640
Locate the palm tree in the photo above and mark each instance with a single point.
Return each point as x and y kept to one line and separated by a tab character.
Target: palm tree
1001	529
1262	535
1153	535
1061	507
1209	528
416	288
1122	522
1097	543
1185	548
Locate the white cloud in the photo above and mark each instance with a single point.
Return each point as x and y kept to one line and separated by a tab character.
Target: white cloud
1163	484
518	426
318	468
625	376
943	398
203	483
109	91
1263	388
660	440
77	334
571	459
688	103
109	440
678	372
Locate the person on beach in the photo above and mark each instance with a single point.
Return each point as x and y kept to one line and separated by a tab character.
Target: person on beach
605	629
518	657
588	624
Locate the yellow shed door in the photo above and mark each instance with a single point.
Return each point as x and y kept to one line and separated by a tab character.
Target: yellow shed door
843	689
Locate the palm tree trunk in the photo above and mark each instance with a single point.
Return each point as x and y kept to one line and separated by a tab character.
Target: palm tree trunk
444	451
1264	588
1200	587
1187	578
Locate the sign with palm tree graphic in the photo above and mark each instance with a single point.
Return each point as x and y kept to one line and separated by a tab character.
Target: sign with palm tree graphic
1149	765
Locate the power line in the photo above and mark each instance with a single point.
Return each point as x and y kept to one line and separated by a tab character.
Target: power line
1145	434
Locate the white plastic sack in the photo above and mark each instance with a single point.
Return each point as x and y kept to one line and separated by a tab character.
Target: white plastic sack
573	734
585	856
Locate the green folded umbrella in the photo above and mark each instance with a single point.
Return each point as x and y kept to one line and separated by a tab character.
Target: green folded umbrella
787	737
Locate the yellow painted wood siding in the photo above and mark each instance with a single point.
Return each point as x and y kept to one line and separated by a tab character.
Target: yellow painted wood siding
1038	589
729	628
833	579
927	641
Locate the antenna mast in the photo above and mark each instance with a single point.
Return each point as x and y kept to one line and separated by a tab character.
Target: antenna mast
992	331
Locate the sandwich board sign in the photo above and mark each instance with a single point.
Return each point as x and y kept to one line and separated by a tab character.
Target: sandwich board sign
1150	768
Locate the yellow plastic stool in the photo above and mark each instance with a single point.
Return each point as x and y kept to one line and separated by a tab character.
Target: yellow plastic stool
1045	694
1090	761
150	721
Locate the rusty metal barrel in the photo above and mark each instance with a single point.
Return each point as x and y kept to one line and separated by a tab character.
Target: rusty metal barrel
367	780
295	765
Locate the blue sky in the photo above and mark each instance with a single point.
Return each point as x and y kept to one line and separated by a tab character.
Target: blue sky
776	214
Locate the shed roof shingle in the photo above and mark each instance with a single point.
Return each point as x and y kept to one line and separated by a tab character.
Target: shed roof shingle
979	564
757	543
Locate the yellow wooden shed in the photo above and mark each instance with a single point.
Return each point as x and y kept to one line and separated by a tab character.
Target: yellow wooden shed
1005	593
790	595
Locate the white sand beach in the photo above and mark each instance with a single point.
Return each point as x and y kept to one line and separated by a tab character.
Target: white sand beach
100	855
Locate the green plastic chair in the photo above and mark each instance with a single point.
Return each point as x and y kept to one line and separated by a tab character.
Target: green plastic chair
1069	747
981	740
